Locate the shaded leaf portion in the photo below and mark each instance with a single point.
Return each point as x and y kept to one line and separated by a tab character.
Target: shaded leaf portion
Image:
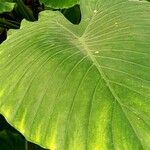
11	1
6	6
85	86
24	10
73	14
12	19
60	3
11	141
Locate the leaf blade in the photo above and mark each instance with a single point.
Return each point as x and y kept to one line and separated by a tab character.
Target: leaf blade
92	78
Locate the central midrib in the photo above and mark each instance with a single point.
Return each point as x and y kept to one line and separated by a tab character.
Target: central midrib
97	65
104	77
83	47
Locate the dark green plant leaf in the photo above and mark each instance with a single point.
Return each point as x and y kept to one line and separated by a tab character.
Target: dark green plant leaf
24	11
9	24
81	87
60	3
73	14
6	6
10	1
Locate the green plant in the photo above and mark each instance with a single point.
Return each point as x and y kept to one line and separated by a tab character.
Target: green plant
85	86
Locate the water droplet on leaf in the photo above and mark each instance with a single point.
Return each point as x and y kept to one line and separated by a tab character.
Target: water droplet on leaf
96	52
95	11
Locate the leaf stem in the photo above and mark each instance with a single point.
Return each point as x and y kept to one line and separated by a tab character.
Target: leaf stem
25	11
26	145
9	24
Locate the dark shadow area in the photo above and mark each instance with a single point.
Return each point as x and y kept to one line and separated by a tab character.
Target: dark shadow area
11	139
73	14
29	10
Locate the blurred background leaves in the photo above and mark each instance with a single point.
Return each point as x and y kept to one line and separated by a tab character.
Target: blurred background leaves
12	12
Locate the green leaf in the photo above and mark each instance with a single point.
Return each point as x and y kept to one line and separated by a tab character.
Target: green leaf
6	6
86	86
60	3
5	23
23	10
11	139
73	14
11	1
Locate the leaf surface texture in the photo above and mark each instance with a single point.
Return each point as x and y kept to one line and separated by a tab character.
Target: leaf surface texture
86	86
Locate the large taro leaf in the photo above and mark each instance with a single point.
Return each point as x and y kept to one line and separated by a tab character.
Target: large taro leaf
59	3
81	87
